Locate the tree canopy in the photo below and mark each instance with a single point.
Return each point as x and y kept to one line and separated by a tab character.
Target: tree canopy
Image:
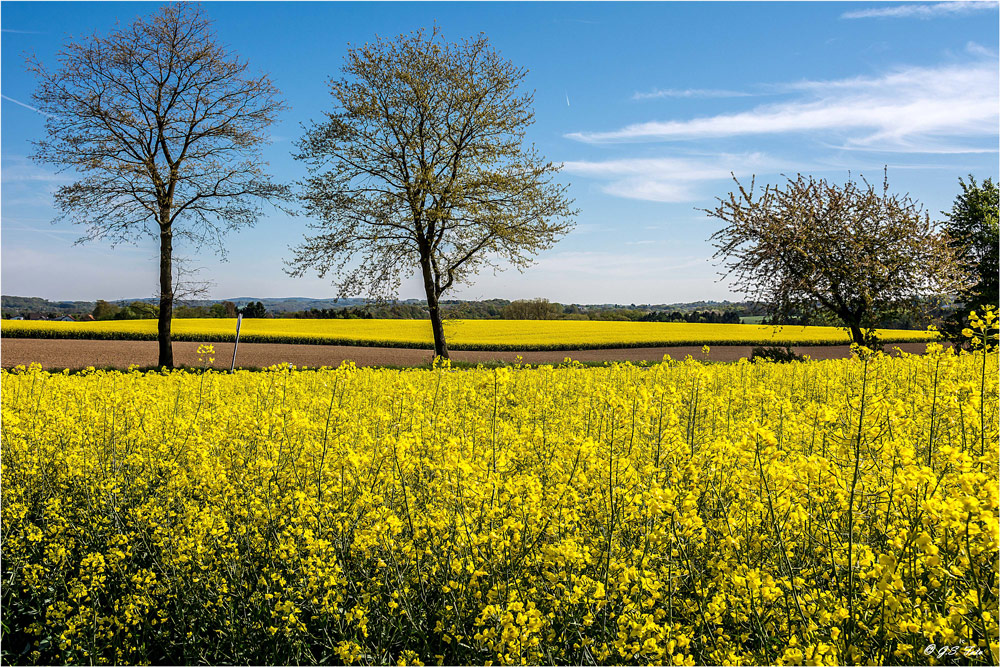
164	127
422	166
973	227
854	250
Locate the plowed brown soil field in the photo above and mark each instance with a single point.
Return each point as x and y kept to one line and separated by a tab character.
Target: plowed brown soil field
76	354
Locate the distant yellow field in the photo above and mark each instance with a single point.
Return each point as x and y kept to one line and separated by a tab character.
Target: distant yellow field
462	334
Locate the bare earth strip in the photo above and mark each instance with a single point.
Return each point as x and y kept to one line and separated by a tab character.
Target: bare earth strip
75	354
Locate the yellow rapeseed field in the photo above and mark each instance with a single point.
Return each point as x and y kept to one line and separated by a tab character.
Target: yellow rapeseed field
462	334
814	512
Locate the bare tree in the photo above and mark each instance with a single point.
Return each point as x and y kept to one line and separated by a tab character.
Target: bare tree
422	166
187	283
852	250
165	128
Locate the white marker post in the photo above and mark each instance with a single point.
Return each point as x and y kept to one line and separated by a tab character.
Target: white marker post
239	321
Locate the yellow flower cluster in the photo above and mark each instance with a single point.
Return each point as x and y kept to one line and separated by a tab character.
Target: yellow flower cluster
462	334
680	513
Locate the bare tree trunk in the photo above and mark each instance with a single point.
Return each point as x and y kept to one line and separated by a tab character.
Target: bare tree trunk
856	333
440	345
166	298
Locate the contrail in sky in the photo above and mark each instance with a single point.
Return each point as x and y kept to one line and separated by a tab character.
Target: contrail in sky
26	106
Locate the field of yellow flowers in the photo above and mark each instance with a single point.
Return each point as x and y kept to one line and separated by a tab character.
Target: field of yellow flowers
462	334
805	513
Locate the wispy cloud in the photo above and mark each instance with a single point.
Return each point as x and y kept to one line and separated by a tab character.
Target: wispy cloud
913	109
21	32
591	228
980	51
688	92
26	106
670	179
38	230
614	265
19	169
55	234
921	11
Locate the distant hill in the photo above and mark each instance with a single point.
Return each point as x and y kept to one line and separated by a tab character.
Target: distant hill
22	305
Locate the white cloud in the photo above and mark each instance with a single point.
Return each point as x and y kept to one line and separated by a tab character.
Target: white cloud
922	11
688	92
912	109
670	179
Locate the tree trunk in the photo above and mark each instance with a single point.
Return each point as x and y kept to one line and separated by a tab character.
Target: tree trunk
166	298
856	333
440	346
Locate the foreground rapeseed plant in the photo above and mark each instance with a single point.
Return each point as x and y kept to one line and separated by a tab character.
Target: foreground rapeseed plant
815	512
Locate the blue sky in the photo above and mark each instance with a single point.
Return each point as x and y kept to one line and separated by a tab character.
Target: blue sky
649	105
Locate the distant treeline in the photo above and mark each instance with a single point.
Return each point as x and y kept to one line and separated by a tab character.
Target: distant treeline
534	309
136	310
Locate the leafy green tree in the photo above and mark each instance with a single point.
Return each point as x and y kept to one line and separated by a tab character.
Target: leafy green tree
138	310
853	251
254	309
188	311
422	166
104	310
973	227
533	309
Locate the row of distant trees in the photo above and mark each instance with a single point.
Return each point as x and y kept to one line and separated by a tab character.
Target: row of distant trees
141	310
523	309
421	166
534	309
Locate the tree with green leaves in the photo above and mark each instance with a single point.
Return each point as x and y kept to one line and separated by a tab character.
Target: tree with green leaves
531	309
855	251
104	310
421	166
254	309
164	128
972	225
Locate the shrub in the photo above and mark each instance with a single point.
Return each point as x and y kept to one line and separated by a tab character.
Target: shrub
774	353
